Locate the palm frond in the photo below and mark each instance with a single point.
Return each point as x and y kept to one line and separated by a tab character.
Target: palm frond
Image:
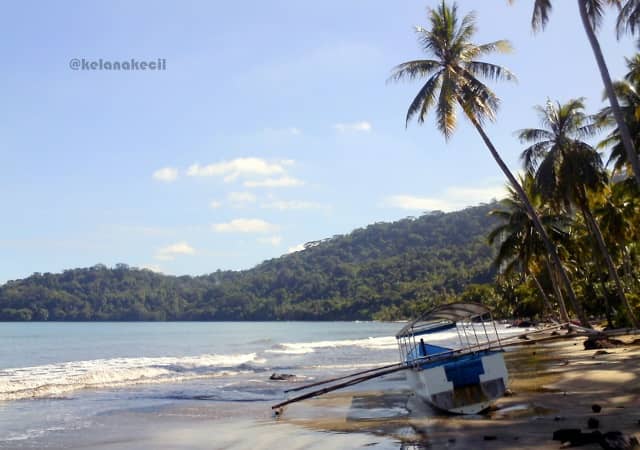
414	69
628	18
501	46
447	119
541	12
425	99
534	135
532	155
490	71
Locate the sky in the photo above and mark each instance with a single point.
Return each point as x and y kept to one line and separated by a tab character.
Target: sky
271	125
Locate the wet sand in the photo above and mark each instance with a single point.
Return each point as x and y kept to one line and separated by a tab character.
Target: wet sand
554	384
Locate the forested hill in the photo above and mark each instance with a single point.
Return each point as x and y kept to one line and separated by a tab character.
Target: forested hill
384	271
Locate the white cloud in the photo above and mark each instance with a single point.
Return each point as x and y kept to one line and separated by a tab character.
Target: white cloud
245	226
271	240
291	204
169	252
166	174
239	199
239	167
354	127
296	248
452	199
215	204
284	181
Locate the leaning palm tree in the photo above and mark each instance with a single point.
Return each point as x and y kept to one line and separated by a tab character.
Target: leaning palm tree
591	12
453	81
519	244
567	169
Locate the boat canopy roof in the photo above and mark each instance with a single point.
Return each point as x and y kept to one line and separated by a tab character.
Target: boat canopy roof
439	317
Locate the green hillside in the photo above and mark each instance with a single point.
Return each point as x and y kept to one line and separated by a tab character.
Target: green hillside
385	271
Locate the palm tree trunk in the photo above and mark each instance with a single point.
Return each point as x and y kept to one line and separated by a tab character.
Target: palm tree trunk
608	86
613	274
545	299
577	307
556	290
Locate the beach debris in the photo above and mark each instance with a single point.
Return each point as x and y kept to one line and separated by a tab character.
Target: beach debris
593	423
600	341
282	376
524	324
615	440
596	408
611	440
509	393
599	353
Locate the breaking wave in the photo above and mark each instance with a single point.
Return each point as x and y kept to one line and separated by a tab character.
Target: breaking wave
55	379
446	338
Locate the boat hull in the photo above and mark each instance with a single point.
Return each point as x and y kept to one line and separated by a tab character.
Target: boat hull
467	384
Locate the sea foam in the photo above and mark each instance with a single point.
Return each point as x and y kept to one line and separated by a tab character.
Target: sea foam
56	379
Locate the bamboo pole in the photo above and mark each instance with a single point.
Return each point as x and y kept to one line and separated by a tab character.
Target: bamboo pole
331	380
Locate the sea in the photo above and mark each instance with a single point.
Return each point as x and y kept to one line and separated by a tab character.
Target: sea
63	379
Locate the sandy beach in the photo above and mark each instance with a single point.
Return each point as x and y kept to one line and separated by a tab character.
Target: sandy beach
554	386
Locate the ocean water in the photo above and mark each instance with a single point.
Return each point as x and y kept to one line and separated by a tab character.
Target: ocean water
58	378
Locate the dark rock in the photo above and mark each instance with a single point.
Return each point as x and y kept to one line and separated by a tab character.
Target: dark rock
600	341
452	440
509	393
575	437
596	408
524	324
566	434
593	423
490	438
282	376
615	440
555	333
600	352
558	418
524	338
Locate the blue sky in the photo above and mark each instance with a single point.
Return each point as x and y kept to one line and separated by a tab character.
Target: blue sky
271	126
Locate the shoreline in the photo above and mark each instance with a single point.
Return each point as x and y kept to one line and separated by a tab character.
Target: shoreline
554	384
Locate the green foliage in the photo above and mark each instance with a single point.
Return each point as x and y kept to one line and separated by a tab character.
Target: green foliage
384	271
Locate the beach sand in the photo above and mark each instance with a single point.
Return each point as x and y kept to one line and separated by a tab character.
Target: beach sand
555	385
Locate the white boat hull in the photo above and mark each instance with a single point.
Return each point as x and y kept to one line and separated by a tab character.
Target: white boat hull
465	385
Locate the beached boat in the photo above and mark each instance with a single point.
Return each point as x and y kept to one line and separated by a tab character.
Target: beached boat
460	379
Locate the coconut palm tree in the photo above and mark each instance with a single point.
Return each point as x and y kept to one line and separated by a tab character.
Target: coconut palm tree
453	81
519	244
591	12
628	94
567	169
